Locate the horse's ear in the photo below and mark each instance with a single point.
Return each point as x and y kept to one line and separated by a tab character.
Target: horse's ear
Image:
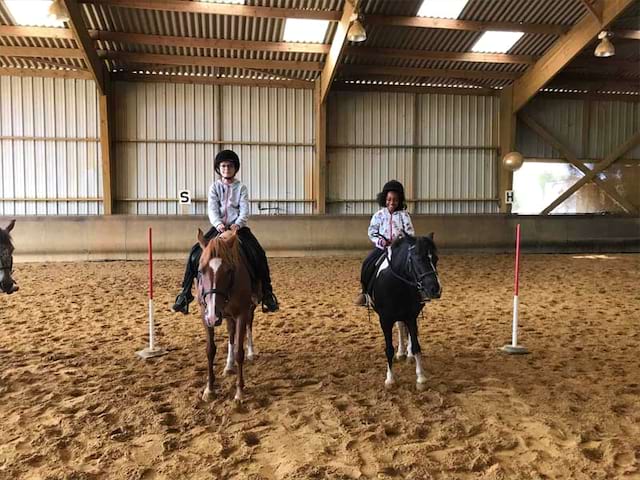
11	225
430	236
201	239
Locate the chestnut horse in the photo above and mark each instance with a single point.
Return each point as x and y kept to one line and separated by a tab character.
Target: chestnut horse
225	292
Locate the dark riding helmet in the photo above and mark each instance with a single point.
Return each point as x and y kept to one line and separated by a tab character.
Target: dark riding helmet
392	186
226	156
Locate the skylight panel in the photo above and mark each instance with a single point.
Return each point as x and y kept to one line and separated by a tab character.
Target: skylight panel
33	13
496	42
442	8
304	30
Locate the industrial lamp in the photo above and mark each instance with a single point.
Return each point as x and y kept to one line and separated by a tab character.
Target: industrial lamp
512	161
605	48
57	11
356	32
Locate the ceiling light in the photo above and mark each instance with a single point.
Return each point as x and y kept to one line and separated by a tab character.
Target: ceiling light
356	32
605	48
441	8
496	42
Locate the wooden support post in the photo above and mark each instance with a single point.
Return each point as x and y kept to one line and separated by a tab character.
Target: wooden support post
320	161
507	144
106	111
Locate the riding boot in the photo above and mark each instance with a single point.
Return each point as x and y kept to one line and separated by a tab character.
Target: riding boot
185	297
269	300
361	300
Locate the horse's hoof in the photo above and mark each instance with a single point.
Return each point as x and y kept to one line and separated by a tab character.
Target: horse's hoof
421	386
400	356
207	395
229	371
410	357
389	384
251	357
239	398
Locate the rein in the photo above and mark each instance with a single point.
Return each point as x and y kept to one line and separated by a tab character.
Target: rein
418	278
213	291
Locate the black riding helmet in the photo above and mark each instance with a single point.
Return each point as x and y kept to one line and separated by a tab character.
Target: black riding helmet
392	186
226	156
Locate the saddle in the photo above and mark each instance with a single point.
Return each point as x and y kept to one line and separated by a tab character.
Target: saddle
377	269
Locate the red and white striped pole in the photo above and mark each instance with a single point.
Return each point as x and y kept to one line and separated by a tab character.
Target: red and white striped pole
514	347
151	350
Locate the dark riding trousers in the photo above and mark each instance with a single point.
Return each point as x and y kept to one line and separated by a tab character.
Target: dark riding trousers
251	249
369	267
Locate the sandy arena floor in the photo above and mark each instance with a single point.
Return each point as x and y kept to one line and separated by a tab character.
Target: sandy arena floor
76	403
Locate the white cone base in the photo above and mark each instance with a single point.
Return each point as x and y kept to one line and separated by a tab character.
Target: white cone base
148	353
517	350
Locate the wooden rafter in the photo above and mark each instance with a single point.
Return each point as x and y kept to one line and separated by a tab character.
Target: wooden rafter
198	80
191	42
151	59
41	52
96	66
45	72
563	51
220	9
451	56
38	32
630	34
373	87
426	72
337	50
593	9
610	159
471	25
573	160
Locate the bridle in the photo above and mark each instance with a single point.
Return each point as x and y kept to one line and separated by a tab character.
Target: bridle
214	291
418	278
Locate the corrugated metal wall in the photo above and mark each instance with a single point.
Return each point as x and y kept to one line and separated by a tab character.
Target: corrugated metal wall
167	136
442	147
50	154
591	129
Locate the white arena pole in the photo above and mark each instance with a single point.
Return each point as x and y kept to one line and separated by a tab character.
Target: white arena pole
151	350
514	348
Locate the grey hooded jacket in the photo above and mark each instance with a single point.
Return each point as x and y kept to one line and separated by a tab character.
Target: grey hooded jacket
228	204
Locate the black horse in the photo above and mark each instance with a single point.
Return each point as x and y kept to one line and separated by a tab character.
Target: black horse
406	280
7	285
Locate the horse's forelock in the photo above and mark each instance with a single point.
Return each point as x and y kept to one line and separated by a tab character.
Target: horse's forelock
219	248
427	244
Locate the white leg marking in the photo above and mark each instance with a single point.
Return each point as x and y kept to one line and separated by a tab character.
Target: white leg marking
390	381
250	352
207	395
229	367
420	376
401	352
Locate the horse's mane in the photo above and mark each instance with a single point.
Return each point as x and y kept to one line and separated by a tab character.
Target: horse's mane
220	248
411	240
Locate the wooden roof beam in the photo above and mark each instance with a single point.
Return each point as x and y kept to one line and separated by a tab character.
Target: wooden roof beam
38	32
630	34
563	51
471	25
220	9
45	72
427	72
41	52
337	49
191	42
595	10
449	56
95	65
152	59
198	80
